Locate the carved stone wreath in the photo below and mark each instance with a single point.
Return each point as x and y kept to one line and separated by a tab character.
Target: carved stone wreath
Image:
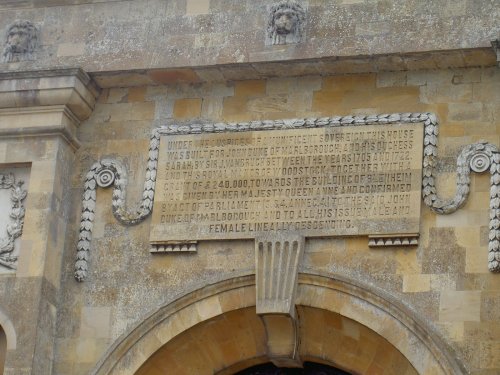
16	214
476	157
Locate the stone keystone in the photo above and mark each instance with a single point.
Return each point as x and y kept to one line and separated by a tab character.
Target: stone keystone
277	258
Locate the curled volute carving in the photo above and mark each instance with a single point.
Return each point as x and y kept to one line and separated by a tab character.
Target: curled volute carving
104	174
471	157
477	157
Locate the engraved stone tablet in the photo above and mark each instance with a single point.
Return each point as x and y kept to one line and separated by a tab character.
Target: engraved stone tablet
333	181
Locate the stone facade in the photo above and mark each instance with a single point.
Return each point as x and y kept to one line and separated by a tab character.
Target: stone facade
429	308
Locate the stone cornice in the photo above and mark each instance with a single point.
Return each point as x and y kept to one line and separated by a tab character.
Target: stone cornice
40	121
465	58
70	87
77	72
182	33
46	102
23	4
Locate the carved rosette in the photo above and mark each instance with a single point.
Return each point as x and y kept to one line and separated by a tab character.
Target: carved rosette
16	214
473	157
105	177
480	161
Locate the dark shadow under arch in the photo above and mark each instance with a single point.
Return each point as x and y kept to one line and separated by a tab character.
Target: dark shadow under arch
310	368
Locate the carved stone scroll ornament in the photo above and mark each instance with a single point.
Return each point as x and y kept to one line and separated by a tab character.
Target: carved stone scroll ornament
286	23
469	159
104	174
21	41
16	214
477	157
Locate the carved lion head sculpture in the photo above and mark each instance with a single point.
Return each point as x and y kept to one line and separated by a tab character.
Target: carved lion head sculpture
286	23
21	41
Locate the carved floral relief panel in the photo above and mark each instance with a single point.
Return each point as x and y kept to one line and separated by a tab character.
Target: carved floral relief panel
13	192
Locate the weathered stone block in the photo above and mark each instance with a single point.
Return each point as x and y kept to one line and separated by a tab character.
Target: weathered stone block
416	283
187	108
194	7
250	88
460	306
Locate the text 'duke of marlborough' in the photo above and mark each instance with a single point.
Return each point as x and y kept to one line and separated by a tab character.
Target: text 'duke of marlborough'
319	182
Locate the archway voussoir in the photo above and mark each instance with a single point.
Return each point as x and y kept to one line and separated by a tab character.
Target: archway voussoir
313	295
232	298
208	308
169	328
342	324
149	345
189	316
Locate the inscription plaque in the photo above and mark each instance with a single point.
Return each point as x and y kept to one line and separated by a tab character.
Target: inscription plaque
333	181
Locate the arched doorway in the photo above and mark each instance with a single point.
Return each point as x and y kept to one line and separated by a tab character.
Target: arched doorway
342	324
3	349
8	339
235	341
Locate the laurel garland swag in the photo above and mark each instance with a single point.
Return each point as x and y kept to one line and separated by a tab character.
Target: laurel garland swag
477	157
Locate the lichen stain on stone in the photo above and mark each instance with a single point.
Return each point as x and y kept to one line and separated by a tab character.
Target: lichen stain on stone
443	255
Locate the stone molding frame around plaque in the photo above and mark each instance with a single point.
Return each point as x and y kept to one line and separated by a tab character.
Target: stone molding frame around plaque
174	247
393	240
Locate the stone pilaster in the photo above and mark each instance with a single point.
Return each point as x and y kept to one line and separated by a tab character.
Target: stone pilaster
39	116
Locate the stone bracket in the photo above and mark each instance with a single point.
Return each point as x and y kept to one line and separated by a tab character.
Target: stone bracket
41	103
277	257
174	247
393	240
